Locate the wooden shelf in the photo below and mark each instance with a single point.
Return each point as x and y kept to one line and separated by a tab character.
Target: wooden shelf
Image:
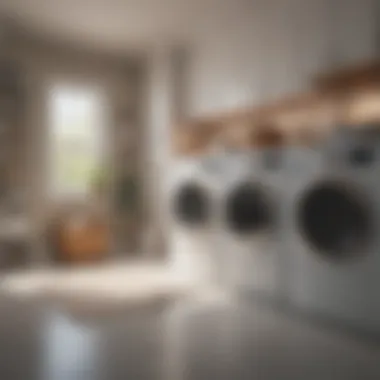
362	76
350	97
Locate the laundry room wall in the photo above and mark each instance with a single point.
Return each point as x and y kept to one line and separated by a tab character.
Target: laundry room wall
267	49
165	103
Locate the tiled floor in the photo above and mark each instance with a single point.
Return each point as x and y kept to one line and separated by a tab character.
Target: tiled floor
51	339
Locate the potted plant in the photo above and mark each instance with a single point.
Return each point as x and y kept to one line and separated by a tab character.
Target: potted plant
99	182
127	194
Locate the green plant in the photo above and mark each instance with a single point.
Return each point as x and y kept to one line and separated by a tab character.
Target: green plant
99	179
127	194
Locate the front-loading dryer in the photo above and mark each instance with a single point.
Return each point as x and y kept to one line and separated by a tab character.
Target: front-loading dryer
192	199
333	240
248	216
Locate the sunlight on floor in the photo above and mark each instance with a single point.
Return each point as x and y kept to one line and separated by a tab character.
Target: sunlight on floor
117	281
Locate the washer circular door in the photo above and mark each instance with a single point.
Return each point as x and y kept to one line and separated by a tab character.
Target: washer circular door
192	204
247	209
334	219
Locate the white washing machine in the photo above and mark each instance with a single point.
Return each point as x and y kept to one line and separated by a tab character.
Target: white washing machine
249	212
192	199
333	240
272	256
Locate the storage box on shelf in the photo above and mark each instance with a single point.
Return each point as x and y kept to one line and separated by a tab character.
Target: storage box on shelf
194	138
362	107
313	118
350	78
269	136
358	91
236	134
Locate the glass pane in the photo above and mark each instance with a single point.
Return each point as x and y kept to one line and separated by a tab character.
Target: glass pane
75	139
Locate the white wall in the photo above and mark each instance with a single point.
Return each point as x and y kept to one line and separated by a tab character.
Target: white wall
269	49
164	105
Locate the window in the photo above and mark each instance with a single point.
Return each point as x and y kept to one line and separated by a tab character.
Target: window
75	139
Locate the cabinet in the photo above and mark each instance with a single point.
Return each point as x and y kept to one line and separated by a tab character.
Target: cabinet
11	133
16	227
